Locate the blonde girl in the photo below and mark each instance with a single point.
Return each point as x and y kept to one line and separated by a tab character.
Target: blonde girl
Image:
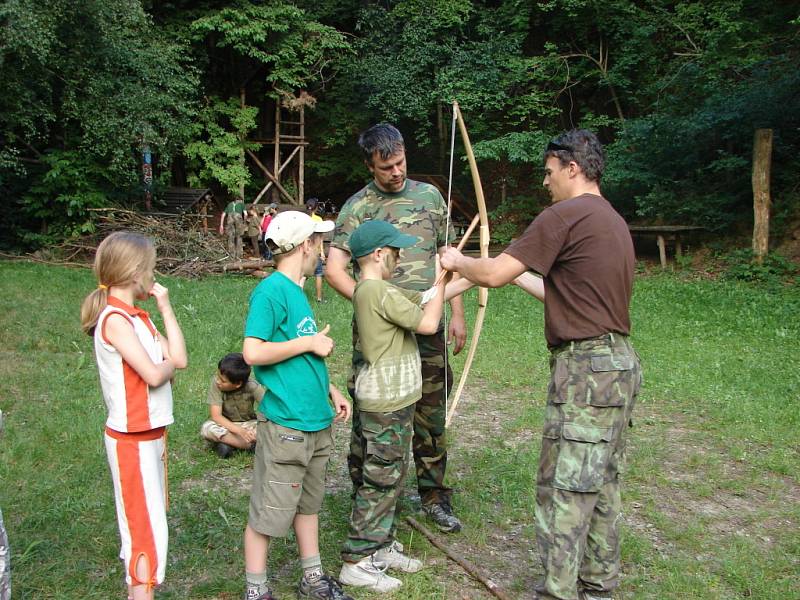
136	366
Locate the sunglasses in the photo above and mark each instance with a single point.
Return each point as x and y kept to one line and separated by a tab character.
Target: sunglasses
553	146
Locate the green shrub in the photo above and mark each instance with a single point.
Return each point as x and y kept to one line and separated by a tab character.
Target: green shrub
774	269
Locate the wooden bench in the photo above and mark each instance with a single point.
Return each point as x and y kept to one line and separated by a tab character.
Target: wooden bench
664	233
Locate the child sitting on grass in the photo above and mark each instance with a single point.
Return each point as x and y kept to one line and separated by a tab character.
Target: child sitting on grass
232	398
386	390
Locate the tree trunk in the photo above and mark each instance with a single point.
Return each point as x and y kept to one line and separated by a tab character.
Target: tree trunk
762	163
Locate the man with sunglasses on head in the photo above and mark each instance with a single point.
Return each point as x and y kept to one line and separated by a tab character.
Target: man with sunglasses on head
583	250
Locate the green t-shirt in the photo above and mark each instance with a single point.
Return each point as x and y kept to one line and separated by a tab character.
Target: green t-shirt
238	405
298	387
418	210
390	378
235	208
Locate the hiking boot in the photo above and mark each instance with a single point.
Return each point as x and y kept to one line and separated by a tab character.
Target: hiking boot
224	450
368	573
253	594
442	515
324	588
392	555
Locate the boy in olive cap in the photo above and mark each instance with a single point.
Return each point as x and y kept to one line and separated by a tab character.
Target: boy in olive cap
386	390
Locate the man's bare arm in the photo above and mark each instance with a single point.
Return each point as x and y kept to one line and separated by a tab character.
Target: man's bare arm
486	272
336	272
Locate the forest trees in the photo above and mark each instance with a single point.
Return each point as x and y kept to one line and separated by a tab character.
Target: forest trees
675	88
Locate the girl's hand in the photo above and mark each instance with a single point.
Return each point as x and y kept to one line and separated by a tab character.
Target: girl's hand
161	295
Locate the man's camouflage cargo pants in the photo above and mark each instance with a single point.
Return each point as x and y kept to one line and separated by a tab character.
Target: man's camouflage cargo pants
430	440
385	440
593	388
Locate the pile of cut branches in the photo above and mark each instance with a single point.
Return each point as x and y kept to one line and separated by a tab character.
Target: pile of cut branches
183	248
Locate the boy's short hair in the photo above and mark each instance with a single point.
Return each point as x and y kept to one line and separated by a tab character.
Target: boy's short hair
234	368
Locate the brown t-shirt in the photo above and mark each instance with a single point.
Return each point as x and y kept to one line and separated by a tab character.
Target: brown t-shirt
583	249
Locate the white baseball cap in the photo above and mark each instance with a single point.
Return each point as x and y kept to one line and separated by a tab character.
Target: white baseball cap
289	229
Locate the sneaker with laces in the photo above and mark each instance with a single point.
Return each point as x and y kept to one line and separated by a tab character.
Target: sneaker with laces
587	595
392	555
368	573
324	588
254	594
442	515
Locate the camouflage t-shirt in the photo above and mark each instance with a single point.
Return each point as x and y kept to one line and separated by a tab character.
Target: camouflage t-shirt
417	210
239	405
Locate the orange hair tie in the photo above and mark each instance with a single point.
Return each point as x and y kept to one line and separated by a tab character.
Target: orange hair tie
100	286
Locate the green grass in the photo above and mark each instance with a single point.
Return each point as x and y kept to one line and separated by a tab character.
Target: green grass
712	489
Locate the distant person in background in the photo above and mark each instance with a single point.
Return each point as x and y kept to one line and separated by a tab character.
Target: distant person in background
254	229
235	214
314	208
205	206
271	211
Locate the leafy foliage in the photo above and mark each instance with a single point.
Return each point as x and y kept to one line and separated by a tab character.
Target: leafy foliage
85	85
220	141
675	89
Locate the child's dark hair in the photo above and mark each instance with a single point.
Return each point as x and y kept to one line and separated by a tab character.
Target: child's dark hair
234	368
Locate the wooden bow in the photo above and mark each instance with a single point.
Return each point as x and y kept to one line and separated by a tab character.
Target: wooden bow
483	293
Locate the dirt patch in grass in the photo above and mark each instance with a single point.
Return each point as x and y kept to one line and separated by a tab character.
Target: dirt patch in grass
696	482
703	484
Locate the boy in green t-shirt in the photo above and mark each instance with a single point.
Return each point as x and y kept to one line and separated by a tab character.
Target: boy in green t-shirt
232	398
294	438
386	389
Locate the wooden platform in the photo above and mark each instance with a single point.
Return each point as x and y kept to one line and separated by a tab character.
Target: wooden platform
663	233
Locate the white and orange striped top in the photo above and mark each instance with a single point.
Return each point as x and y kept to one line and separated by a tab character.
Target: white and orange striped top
132	404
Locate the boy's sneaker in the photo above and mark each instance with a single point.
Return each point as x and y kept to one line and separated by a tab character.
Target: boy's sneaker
392	556
587	595
442	515
253	594
324	588
224	450
368	573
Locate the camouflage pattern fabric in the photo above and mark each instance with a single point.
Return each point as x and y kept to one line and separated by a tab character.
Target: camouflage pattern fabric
418	210
384	445
235	230
430	439
593	389
5	563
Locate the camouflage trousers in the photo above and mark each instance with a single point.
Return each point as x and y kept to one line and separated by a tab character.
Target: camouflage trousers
430	440
385	441
593	389
235	230
5	563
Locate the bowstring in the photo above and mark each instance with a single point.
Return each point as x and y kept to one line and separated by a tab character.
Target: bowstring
447	243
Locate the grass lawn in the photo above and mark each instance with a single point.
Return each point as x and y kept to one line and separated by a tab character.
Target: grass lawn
711	493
